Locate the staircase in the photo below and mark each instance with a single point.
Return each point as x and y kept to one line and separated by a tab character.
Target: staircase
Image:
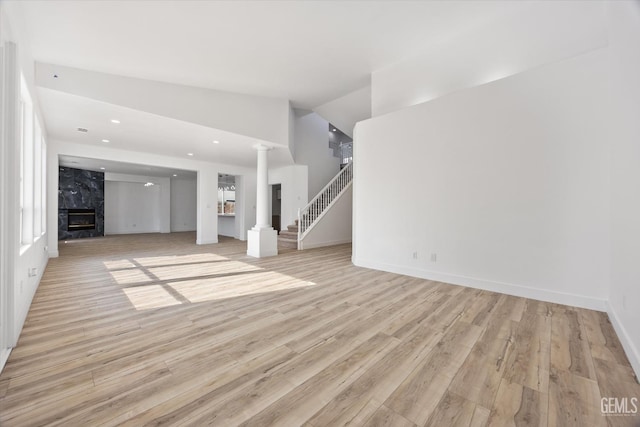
288	239
312	213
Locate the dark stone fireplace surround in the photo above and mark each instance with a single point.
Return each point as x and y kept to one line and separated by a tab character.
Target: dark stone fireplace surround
80	192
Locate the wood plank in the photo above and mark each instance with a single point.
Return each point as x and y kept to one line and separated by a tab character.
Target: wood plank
573	400
480	417
385	417
602	338
379	382
479	377
418	396
519	405
528	363
452	410
569	345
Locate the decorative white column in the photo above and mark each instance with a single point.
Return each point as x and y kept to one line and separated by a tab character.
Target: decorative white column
262	239
262	189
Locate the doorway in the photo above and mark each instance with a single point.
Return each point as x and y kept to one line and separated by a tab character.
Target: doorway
227	205
276	206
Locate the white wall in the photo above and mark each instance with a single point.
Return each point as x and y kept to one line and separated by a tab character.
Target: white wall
312	149
227	226
504	182
130	207
624	295
542	33
347	110
245	203
183	204
335	226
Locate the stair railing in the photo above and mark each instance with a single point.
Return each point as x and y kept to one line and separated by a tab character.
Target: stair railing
315	209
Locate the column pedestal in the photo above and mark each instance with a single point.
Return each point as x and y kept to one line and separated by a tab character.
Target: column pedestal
262	242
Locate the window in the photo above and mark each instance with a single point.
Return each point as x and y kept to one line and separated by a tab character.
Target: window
37	180
27	166
33	171
43	180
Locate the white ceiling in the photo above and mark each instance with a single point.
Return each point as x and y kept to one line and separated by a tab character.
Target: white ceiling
145	132
124	168
309	52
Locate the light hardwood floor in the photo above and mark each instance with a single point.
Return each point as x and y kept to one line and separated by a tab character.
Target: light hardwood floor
152	329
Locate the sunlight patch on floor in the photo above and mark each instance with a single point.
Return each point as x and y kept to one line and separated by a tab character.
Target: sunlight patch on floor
178	259
129	276
197	270
237	286
149	297
118	264
194	279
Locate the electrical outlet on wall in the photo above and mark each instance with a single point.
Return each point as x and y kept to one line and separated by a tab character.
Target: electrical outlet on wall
415	255
33	271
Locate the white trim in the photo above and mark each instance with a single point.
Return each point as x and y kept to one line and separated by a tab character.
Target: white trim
489	285
9	198
54	254
627	343
322	244
206	241
4	356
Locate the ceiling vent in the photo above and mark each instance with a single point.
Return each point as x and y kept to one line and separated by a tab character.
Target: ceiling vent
83	130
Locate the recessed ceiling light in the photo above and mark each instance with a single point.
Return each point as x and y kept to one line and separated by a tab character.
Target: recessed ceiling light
101	169
115	121
216	142
334	130
189	154
105	140
175	174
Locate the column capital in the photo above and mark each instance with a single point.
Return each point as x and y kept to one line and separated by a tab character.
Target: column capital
262	147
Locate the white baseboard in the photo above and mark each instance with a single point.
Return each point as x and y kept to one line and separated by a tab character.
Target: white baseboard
629	347
206	241
54	254
500	287
4	356
138	231
312	245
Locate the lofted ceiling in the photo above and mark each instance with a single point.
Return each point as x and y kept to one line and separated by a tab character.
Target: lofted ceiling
308	52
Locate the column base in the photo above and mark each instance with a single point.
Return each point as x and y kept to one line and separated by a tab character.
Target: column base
262	242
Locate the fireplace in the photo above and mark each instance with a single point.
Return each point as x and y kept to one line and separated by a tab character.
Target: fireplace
81	219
